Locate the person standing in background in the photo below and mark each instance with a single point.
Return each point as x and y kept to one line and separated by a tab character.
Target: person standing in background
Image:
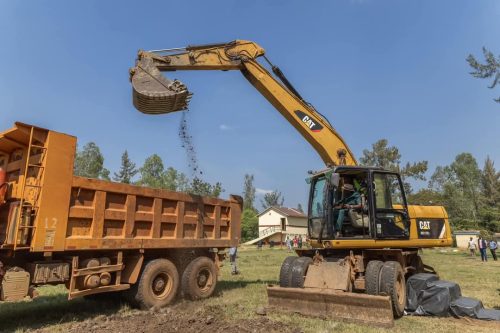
482	248
232	258
472	247
493	249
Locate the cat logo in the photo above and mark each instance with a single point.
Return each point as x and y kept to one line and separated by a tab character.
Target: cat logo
310	122
424	225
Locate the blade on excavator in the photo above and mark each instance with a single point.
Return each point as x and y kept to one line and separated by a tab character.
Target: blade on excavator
153	93
333	304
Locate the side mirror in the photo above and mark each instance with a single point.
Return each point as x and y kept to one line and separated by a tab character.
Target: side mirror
335	179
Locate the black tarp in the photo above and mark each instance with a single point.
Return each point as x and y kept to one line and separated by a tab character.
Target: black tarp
471	307
415	284
429	296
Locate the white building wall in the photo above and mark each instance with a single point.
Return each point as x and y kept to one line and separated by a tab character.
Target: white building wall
463	241
296	226
270	219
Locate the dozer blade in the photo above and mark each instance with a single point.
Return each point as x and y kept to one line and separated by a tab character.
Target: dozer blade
153	93
333	304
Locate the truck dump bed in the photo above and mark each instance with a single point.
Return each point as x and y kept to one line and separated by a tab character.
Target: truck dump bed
47	209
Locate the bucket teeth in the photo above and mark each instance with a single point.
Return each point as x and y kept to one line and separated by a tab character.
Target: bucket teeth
153	93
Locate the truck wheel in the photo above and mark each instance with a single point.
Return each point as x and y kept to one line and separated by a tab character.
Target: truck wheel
372	277
392	283
299	270
199	278
286	272
157	285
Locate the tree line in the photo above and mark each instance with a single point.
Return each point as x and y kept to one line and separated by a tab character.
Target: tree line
89	162
470	194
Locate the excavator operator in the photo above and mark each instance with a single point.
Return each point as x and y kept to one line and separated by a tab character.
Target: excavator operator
351	200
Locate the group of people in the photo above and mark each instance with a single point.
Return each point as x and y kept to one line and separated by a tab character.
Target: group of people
293	243
483	245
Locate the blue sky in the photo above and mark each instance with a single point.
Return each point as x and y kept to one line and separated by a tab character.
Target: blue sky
376	69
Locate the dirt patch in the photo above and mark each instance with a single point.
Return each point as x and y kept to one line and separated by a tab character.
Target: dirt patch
184	317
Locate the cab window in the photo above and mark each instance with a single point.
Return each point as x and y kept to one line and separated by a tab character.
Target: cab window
391	215
318	198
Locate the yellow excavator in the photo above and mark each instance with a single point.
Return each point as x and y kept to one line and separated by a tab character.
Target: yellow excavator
364	237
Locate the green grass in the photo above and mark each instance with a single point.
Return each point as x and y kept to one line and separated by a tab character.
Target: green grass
240	295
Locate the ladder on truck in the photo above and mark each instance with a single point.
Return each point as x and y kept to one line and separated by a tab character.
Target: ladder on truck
28	206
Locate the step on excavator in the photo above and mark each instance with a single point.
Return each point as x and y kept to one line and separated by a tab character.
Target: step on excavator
364	237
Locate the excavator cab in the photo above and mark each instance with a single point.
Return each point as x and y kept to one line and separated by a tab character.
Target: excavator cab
357	203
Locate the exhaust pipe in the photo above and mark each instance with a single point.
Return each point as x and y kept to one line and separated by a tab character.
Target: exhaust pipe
153	93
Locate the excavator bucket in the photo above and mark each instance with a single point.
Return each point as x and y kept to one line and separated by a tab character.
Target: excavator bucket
153	93
333	304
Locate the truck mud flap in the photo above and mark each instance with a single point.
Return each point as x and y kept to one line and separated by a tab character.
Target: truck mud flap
333	304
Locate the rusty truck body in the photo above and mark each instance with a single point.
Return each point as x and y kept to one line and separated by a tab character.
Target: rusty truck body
97	236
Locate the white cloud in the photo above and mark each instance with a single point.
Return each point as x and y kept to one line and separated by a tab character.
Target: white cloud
224	127
262	191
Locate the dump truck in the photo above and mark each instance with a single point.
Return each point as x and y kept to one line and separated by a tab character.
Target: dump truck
97	236
364	236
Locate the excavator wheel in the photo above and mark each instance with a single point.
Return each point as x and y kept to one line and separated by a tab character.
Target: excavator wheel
299	270
286	272
372	277
392	283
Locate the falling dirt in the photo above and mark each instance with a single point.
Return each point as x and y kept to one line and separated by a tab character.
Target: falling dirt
187	144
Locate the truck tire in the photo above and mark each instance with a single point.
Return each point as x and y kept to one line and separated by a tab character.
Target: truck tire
157	285
372	277
286	272
199	278
299	271
392	283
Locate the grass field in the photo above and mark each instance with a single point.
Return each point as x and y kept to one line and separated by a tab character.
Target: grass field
240	295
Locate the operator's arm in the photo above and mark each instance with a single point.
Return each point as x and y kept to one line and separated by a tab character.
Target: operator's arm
154	93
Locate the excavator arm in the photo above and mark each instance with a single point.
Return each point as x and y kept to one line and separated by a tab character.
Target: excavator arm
153	93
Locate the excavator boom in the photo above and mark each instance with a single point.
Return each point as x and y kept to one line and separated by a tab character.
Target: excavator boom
153	93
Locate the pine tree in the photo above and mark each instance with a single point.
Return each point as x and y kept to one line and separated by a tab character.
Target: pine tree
248	192
490	181
490	69
299	208
127	170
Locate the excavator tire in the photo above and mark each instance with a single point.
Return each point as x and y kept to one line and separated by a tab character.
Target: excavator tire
372	276
299	270
392	283
286	272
